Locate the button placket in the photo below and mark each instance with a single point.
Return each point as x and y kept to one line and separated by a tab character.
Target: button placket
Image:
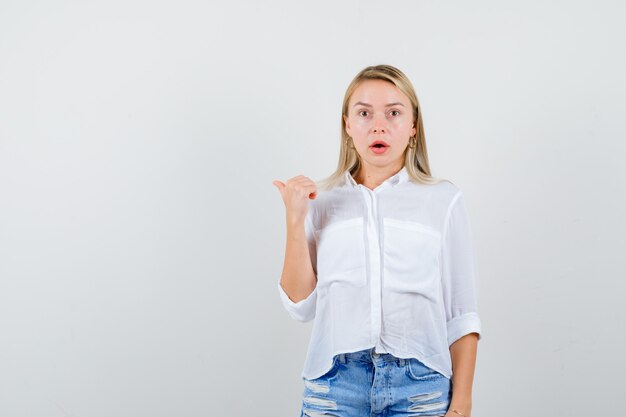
373	233
374	243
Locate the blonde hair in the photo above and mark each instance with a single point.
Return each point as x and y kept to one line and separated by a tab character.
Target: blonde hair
415	159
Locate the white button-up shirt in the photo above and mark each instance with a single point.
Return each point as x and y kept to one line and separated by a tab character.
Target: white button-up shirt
395	270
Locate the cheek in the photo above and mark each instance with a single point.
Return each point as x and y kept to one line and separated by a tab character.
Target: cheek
360	123
359	130
402	124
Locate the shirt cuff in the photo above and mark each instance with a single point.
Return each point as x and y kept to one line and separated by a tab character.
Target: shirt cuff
464	324
303	310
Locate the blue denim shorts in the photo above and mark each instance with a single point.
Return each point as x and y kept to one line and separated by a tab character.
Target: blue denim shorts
367	384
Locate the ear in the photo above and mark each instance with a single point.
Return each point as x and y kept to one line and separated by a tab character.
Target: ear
348	129
413	131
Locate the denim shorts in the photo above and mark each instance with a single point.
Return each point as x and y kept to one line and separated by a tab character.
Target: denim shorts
368	384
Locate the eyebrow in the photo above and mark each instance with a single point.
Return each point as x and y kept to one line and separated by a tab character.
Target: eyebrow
369	105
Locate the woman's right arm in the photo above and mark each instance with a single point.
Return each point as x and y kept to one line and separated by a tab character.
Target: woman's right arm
298	279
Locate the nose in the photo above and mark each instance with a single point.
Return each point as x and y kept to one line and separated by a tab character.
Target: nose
379	124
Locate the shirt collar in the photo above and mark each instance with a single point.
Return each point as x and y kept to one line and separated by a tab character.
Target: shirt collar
398	178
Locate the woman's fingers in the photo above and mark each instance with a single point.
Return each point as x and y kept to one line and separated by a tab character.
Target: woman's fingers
296	193
280	185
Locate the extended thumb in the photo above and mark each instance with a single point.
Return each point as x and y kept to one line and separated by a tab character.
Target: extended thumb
279	185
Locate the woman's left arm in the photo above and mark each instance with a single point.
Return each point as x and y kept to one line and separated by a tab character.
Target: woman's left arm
460	295
463	355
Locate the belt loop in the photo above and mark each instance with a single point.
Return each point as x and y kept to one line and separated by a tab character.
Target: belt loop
342	357
401	361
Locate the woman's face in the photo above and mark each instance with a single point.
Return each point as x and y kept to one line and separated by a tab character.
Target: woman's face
379	111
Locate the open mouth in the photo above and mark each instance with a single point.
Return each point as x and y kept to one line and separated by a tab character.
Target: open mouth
379	144
379	147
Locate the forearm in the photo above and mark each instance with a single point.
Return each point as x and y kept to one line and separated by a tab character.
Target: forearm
463	355
298	278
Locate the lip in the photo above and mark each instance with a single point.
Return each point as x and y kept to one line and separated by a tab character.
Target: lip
385	144
381	150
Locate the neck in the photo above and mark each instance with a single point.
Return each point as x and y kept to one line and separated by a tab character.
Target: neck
372	177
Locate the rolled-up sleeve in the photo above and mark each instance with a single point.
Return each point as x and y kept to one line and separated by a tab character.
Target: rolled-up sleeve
459	273
303	310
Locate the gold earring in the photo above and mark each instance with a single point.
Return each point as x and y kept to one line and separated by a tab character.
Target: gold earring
412	142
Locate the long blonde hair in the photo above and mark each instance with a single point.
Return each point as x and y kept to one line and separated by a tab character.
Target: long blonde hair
415	159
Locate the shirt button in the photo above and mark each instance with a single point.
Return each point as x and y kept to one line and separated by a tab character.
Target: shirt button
376	354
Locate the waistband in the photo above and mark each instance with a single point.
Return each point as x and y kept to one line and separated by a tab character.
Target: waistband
370	356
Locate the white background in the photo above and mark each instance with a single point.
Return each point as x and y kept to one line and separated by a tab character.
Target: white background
141	238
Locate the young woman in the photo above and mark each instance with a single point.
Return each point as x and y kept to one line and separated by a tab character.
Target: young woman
381	257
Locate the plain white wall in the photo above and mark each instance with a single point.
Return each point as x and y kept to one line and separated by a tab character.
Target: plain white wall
141	238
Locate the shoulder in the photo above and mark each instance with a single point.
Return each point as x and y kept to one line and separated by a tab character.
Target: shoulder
448	189
444	192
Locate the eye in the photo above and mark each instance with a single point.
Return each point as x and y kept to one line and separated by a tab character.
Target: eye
362	111
395	111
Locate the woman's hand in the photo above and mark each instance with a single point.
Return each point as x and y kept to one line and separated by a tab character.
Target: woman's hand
296	194
451	413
